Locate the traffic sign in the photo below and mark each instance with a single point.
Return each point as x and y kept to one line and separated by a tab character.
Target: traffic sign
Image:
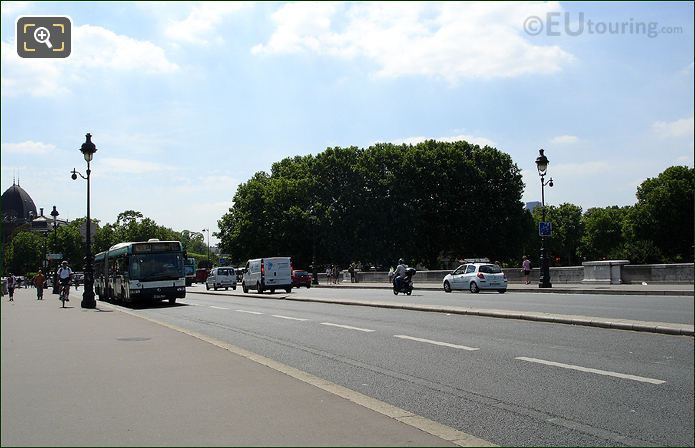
54	256
545	228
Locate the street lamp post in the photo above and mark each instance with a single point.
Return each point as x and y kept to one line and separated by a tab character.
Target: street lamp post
314	274
54	213
88	149
208	231
542	165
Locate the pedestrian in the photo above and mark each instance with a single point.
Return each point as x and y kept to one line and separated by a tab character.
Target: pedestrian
526	269
329	271
351	270
336	272
11	282
39	281
391	272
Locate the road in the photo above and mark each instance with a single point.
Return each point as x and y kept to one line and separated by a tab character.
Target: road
508	381
656	308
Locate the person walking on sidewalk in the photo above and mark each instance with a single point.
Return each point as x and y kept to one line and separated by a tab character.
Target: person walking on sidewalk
526	269
11	283
39	281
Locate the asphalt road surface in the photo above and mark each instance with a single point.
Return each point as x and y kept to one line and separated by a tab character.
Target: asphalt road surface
657	308
508	381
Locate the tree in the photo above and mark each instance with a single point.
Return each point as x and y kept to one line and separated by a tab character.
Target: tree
379	204
25	252
603	233
664	214
567	230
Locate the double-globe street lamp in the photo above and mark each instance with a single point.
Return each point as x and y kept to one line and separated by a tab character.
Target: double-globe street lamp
88	149
543	229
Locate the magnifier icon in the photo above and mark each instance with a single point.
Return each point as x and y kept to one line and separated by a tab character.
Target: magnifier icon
42	36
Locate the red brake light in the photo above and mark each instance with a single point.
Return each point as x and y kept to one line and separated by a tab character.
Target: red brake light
480	275
262	269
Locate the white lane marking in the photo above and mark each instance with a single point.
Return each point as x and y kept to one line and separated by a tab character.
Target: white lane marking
249	312
429	341
348	327
195	304
288	317
218	307
590	370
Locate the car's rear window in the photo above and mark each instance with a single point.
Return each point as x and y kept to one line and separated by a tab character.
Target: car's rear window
225	272
490	269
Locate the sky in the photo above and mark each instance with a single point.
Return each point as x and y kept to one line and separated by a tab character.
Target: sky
186	100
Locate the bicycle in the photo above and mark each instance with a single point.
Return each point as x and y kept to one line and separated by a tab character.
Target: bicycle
65	293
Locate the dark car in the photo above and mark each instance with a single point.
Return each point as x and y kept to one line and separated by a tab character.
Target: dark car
301	278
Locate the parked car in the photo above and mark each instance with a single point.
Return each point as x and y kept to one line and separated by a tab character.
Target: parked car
224	277
268	273
476	277
301	278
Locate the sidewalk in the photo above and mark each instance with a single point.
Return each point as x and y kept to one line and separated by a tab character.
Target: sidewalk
75	377
558	288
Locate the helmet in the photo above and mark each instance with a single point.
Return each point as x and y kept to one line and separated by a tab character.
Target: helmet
65	262
400	261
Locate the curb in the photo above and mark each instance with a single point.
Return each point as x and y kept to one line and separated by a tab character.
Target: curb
588	321
678	292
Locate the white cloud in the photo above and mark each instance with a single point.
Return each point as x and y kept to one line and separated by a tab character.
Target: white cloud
200	25
481	141
449	40
564	139
132	166
95	51
679	128
578	170
9	8
28	147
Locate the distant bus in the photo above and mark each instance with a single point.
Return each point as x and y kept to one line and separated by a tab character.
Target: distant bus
190	266
152	270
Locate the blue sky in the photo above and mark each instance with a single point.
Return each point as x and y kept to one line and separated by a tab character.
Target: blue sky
187	100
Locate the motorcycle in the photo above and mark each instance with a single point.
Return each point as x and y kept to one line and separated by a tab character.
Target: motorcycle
406	282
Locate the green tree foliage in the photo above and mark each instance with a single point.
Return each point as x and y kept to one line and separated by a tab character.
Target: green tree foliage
567	231
378	204
664	216
24	253
131	225
603	233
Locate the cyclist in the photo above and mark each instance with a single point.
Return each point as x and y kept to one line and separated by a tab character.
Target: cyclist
64	277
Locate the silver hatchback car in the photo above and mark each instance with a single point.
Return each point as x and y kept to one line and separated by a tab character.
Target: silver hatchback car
476	276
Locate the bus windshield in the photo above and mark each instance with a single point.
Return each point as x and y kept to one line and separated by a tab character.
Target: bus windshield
165	266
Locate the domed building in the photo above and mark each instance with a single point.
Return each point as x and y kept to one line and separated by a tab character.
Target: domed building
17	208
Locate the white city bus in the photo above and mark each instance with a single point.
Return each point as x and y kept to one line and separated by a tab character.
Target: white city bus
139	271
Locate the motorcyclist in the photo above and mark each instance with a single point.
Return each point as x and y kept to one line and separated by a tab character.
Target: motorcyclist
400	273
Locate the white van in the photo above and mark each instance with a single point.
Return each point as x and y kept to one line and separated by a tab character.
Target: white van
268	273
221	278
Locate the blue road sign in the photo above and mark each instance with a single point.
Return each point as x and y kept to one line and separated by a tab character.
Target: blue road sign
545	228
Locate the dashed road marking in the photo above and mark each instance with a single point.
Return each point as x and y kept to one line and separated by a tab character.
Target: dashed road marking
429	341
347	327
248	312
288	317
218	307
590	370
